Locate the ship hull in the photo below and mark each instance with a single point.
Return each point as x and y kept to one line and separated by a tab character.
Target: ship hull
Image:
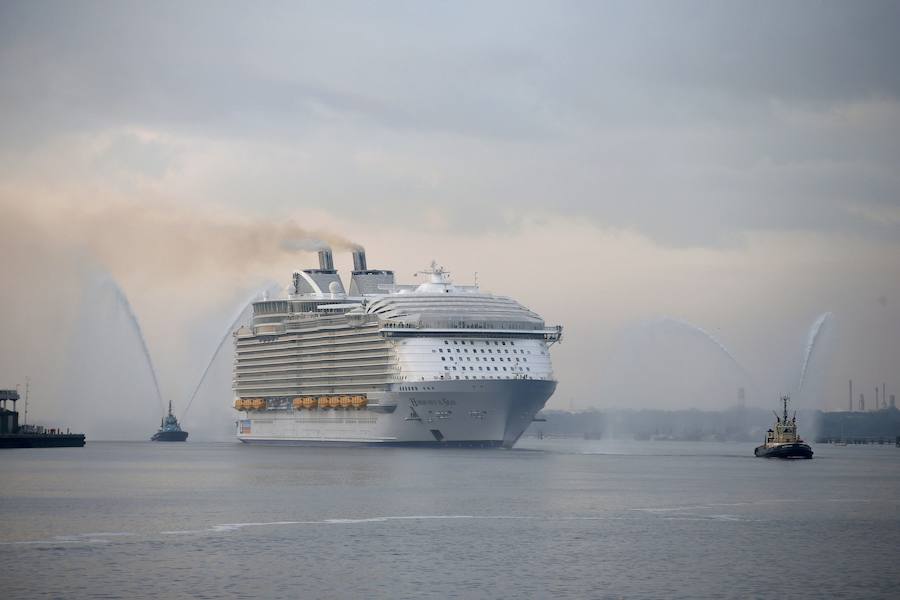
27	440
169	436
477	413
795	450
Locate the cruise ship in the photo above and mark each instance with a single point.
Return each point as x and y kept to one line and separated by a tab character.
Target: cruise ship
432	364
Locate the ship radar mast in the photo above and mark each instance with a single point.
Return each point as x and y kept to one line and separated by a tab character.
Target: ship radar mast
439	279
437	273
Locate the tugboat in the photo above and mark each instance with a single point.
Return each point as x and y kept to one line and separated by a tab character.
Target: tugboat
169	429
783	441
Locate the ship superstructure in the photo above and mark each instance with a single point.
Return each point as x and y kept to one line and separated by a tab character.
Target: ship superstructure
428	364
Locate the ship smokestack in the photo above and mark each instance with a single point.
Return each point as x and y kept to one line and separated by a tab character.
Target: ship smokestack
326	260
359	259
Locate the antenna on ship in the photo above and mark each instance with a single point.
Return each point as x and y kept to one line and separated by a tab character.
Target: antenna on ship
434	269
27	387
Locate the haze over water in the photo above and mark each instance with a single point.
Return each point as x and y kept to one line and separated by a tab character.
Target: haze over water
563	518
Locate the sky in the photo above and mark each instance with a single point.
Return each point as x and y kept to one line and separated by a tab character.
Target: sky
673	183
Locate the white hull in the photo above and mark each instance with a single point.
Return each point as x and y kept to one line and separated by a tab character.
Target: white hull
435	413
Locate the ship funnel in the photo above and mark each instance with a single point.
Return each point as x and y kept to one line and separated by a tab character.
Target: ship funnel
359	259
326	261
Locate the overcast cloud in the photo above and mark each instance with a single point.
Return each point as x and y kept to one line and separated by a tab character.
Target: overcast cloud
709	118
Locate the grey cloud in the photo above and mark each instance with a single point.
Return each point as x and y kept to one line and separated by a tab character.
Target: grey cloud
688	121
502	69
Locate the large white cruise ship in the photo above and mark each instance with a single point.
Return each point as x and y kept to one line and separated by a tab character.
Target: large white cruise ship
434	364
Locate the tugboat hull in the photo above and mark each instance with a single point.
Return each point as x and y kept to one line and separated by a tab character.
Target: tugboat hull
798	450
169	436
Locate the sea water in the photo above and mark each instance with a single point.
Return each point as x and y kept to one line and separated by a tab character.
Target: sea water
549	519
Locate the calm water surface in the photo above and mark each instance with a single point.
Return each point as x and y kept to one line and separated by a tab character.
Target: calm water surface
550	519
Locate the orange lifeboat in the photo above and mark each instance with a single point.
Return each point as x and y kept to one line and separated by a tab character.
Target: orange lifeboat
297	403
309	403
359	402
324	402
345	401
259	404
